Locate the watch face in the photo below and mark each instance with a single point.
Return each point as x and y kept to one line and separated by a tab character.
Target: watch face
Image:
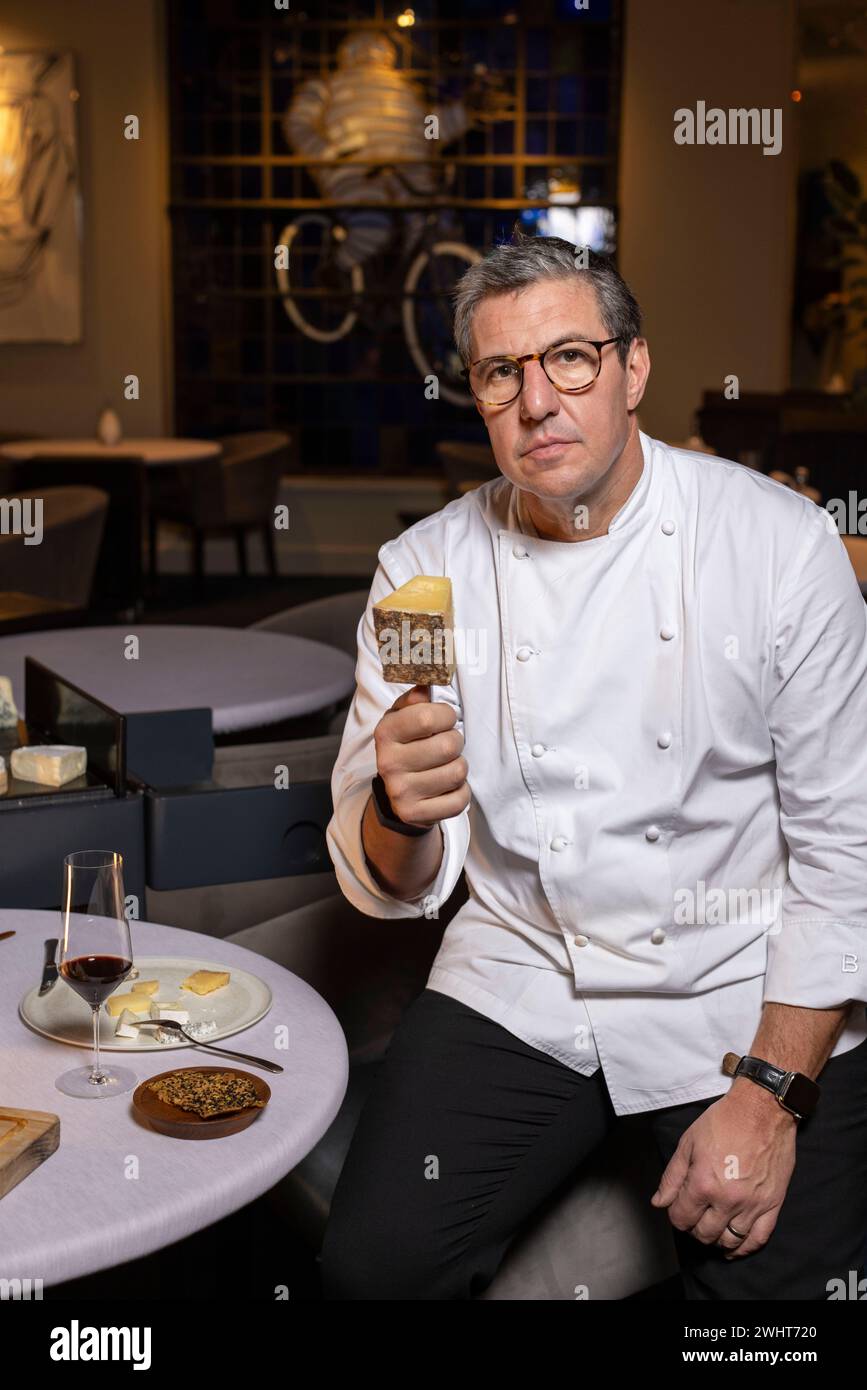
801	1094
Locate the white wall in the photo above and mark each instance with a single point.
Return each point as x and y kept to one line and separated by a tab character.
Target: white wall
707	232
54	389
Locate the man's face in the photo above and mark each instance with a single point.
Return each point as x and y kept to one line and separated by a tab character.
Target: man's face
590	429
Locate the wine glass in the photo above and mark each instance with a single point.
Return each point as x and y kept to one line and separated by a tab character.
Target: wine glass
95	956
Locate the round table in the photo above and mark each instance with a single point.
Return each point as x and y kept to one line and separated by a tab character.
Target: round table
247	677
78	1211
154	451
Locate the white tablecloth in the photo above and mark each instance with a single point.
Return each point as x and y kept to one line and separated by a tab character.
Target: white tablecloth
248	678
156	452
79	1212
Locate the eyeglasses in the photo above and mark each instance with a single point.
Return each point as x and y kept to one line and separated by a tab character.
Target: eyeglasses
570	367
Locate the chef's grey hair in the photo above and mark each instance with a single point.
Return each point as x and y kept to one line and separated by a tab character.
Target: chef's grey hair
526	259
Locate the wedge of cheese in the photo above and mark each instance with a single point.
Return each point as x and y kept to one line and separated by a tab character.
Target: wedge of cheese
51	764
8	712
136	1003
415	630
146	987
205	981
124	1027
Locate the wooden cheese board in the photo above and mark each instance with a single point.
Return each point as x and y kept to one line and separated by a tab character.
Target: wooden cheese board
27	1138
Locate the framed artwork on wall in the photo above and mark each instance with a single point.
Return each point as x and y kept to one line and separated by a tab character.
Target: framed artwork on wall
40	204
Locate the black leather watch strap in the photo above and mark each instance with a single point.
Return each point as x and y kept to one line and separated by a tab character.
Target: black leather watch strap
794	1091
385	813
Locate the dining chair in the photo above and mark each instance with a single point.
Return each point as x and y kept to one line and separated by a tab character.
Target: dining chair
232	494
333	620
63	564
117	579
465	462
834	459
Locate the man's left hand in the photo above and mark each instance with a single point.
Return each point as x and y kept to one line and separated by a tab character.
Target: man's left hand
733	1164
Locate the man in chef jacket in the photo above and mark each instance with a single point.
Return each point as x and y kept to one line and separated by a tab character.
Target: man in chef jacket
651	766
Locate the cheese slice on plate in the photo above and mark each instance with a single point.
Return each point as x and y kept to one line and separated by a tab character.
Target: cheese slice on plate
146	987
51	764
124	1027
205	981
136	1003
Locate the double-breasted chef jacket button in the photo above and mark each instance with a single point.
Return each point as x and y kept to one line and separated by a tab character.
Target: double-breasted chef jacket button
519	552
524	653
581	940
664	739
652	832
668	528
537	750
559	843
666	633
657	936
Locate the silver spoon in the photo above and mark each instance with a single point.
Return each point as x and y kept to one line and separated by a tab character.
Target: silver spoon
170	1023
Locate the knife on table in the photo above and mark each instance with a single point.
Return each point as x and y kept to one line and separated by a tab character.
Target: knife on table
49	970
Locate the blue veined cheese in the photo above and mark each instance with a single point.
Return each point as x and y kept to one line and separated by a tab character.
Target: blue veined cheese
50	764
8	712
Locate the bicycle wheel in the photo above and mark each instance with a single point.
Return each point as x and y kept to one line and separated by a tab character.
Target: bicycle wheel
427	315
316	292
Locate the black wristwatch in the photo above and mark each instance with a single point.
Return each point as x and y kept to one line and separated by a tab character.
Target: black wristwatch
794	1091
386	815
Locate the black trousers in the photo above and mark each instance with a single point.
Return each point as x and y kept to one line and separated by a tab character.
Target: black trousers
506	1124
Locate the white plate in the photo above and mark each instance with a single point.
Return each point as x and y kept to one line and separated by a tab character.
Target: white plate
63	1015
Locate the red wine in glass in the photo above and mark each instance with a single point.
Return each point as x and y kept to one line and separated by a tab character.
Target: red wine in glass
95	977
95	956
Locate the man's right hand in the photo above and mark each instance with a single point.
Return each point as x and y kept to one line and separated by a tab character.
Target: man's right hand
419	758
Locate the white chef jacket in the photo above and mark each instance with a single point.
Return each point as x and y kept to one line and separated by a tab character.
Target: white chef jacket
666	732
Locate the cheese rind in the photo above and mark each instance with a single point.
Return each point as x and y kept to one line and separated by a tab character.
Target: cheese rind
205	981
124	1027
136	1003
415	630
175	1015
50	764
8	712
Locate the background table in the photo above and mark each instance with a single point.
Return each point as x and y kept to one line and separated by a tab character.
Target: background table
155	451
78	1211
248	678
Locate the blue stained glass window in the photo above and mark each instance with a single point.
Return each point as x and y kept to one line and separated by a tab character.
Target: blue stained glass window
537	94
537	137
566	137
503	139
538	48
566	95
503	182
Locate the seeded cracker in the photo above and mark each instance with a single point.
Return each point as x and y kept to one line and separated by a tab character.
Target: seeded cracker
207	1093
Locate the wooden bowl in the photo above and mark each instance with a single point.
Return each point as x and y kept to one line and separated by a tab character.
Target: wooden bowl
186	1124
